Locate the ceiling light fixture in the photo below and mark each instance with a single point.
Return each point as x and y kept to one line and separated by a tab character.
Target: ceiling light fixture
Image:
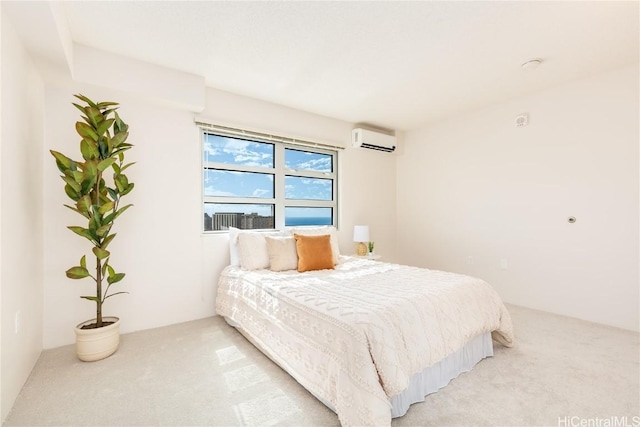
531	64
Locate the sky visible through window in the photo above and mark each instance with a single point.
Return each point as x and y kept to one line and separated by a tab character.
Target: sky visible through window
234	152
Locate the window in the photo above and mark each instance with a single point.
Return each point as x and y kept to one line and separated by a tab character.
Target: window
254	181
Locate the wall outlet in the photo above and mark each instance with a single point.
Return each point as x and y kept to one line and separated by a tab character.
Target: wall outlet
470	260
504	264
17	322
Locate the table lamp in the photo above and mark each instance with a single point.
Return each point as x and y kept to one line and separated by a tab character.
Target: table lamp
361	235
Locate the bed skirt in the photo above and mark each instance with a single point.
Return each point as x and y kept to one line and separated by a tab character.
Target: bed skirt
439	375
423	383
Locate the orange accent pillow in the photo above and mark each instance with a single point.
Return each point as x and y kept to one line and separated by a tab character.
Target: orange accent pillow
314	252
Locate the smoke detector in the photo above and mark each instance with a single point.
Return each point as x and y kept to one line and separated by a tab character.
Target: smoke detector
522	120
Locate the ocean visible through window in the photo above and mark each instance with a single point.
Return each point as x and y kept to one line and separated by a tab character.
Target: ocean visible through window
297	221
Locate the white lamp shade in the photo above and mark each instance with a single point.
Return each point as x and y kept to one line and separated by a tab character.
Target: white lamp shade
361	233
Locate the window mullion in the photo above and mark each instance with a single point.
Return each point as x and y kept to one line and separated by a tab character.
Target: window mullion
310	203
239	200
238	168
279	186
309	174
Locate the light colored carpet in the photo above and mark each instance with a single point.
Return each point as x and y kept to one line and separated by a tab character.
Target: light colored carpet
560	372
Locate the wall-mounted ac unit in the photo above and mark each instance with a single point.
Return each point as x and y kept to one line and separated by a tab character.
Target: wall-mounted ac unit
366	138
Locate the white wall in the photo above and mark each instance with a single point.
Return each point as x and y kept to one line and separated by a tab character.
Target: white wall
171	267
477	186
21	215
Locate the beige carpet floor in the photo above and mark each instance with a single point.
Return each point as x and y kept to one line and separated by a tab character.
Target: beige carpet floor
562	372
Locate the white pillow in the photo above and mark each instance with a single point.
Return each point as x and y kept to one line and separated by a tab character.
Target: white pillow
234	257
282	253
319	231
252	248
234	251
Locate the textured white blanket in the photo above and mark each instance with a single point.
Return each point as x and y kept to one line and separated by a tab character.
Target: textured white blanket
354	336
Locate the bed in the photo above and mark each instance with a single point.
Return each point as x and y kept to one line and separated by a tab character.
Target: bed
367	338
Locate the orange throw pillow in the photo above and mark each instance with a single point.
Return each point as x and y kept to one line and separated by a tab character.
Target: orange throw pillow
314	252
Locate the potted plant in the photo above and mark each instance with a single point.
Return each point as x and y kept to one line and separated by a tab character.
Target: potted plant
370	246
96	197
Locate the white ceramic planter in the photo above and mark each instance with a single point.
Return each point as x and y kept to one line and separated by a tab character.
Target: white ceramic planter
97	344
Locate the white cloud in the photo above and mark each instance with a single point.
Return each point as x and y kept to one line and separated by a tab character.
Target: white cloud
211	191
322	164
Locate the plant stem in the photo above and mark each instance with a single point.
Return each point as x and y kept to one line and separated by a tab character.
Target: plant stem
99	293
98	261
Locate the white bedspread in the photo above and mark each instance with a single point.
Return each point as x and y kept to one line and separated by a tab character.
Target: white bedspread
354	336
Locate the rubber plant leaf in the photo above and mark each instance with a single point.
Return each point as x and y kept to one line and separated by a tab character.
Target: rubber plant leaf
108	240
82	232
119	124
79	107
63	162
128	189
84	130
88	149
113	193
102	231
106	207
73	183
103	147
116	293
104	164
126	166
112	216
119	138
77	273
104	267
115	278
86	215
77	175
85	99
84	204
73	195
95	116
122	182
90	168
100	253
105	104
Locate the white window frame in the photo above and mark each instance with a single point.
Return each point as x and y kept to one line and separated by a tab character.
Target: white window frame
279	171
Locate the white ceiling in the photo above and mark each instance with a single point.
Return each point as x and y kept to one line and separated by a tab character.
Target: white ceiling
391	64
